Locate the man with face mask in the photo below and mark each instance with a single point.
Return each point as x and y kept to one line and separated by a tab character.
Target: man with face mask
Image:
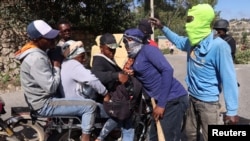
145	27
210	70
157	77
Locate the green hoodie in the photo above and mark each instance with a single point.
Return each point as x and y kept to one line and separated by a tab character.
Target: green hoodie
200	26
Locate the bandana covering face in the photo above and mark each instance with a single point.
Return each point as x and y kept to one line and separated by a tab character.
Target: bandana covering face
200	26
133	47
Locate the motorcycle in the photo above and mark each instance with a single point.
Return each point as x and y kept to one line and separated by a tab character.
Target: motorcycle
57	128
15	128
25	125
142	119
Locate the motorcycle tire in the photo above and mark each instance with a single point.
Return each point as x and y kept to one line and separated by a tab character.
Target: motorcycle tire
25	131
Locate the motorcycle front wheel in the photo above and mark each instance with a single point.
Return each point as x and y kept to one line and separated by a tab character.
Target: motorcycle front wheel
24	131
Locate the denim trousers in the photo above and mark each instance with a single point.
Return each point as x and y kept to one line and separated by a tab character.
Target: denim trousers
126	126
172	120
83	108
200	114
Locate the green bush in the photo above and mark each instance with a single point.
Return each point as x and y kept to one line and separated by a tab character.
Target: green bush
165	51
242	56
5	78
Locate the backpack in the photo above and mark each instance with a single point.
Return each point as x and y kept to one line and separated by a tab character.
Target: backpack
124	99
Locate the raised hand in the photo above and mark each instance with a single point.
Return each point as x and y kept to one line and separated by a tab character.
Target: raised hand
156	22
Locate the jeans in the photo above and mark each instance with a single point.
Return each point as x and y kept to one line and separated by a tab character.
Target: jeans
200	114
128	134
100	111
72	107
172	120
126	128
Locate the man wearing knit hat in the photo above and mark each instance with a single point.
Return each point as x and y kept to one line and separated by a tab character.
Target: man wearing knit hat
145	26
40	78
157	77
210	70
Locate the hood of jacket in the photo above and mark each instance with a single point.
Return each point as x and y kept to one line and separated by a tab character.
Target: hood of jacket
27	49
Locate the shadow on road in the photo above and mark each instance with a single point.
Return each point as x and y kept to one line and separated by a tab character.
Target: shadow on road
244	121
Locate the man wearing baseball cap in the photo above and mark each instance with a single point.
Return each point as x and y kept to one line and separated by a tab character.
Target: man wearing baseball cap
40	78
110	74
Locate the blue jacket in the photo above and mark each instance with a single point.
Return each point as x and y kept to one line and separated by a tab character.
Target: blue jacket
156	75
210	69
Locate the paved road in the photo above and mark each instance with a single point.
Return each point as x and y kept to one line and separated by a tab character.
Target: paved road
179	64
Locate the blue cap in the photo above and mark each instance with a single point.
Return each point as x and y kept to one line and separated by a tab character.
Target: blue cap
134	34
39	28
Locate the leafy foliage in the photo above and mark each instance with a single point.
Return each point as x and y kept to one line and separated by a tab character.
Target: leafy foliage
242	56
172	13
100	16
92	16
165	51
5	78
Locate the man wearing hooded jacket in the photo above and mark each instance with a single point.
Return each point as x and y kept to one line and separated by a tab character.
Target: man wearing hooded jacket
210	70
40	78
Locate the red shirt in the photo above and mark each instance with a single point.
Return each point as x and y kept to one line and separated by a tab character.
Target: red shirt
153	43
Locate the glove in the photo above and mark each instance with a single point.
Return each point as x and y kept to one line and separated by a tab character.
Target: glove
156	22
230	120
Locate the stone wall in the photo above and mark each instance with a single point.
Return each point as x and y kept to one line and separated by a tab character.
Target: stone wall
12	37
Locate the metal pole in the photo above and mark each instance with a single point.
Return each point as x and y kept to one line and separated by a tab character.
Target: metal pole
152	15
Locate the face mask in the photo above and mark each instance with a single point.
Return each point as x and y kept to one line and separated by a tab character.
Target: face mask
198	25
133	48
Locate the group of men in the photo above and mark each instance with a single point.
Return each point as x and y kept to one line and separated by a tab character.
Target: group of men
210	70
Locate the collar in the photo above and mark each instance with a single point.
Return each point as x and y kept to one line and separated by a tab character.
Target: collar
206	44
108	59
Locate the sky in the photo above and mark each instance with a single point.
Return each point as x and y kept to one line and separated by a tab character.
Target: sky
233	9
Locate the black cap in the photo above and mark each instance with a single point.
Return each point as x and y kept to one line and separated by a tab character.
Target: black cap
109	40
145	26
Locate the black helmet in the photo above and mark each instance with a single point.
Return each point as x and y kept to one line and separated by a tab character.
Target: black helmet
221	24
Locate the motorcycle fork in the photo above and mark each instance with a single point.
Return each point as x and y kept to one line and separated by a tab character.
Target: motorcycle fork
6	128
70	128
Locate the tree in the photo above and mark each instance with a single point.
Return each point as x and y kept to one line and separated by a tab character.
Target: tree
171	12
244	40
92	16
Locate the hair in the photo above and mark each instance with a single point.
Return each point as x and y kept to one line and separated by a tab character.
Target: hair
63	21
